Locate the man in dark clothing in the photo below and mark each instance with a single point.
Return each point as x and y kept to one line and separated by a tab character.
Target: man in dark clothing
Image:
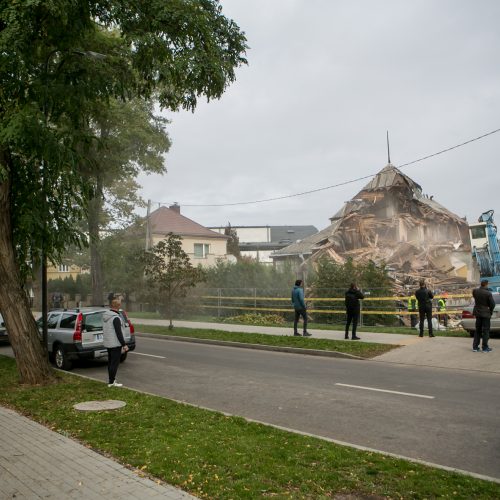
483	309
353	309
299	305
424	297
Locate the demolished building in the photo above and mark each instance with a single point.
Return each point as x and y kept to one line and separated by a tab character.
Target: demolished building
391	221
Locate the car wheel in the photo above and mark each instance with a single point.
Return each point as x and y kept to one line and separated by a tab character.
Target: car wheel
61	358
123	357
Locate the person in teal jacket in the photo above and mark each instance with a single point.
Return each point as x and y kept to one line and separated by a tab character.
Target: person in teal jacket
299	304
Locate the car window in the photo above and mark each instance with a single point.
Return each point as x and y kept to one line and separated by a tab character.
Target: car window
93	322
124	317
68	320
52	320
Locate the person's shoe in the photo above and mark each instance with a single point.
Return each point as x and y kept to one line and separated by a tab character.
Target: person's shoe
476	349
115	384
488	349
421	335
431	335
297	334
346	337
356	338
307	334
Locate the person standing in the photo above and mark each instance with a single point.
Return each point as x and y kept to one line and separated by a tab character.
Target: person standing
300	307
114	341
441	305
353	310
483	309
424	298
412	309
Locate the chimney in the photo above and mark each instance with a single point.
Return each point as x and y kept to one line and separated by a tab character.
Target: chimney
175	207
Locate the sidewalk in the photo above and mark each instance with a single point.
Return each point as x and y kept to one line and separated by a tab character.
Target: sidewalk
36	462
438	352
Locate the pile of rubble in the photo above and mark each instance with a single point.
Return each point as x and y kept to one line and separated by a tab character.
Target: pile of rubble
390	220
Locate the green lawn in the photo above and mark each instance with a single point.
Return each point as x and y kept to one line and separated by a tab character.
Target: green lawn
362	349
216	456
405	330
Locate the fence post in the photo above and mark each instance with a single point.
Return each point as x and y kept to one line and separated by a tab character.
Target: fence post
255	300
218	302
360	313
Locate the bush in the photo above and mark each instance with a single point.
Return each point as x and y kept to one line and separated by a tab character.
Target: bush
256	319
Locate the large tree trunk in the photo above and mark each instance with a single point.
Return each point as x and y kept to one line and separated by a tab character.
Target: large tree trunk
31	358
94	215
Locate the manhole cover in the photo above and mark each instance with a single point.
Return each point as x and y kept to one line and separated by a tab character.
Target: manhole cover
109	404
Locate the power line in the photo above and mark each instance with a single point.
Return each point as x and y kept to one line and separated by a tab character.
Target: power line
254	202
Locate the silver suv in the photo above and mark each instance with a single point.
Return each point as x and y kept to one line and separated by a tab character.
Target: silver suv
469	320
77	334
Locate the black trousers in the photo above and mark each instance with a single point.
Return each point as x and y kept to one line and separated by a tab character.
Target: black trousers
352	316
423	315
482	332
298	314
114	354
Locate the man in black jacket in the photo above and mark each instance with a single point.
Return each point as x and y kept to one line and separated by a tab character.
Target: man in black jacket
353	309
483	309
424	297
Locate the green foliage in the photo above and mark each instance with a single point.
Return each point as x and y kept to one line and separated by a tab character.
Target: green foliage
333	279
248	273
256	319
169	272
63	61
71	286
233	243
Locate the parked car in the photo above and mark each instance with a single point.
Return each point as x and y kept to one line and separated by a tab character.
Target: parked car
77	334
469	320
3	331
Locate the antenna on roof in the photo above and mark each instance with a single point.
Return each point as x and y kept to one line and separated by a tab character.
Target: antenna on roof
388	149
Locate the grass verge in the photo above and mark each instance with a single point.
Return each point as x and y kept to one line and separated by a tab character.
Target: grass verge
215	456
338	327
361	349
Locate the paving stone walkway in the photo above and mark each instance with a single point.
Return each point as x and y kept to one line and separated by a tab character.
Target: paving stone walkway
36	462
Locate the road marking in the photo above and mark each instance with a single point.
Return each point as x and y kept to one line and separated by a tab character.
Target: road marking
150	355
385	390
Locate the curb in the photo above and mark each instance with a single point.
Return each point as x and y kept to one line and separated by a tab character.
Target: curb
261	347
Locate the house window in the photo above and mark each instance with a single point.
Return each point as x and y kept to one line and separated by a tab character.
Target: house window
63	268
201	250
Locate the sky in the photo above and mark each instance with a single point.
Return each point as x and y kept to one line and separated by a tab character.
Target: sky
325	81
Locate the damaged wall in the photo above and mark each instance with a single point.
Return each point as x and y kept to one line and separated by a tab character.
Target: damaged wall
390	220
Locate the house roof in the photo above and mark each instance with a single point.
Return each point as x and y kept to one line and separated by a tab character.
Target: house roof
288	234
166	220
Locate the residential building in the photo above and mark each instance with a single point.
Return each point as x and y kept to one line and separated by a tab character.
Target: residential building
259	242
203	246
62	271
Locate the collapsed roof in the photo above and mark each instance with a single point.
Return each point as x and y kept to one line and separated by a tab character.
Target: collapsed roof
390	220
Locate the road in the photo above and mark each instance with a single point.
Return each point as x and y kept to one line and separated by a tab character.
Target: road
448	417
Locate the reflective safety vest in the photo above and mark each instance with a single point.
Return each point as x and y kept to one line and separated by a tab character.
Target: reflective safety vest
442	305
412	304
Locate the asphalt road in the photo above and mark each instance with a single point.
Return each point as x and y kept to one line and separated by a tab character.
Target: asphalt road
448	417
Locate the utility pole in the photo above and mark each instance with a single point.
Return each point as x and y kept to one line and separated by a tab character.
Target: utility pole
148	229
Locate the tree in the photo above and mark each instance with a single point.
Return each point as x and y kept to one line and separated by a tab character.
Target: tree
59	60
170	272
130	139
233	243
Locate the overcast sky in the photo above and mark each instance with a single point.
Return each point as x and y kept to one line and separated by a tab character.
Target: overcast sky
326	79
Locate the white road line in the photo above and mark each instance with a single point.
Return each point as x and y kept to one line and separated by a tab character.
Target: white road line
390	392
150	355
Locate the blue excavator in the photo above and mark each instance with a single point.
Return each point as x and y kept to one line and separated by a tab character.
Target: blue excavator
486	249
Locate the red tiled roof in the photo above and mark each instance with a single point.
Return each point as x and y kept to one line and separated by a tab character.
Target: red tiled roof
165	220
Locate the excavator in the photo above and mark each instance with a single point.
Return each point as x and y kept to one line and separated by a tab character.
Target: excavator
486	249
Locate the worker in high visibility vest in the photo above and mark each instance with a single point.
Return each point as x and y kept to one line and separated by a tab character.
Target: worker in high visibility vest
441	307
412	306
